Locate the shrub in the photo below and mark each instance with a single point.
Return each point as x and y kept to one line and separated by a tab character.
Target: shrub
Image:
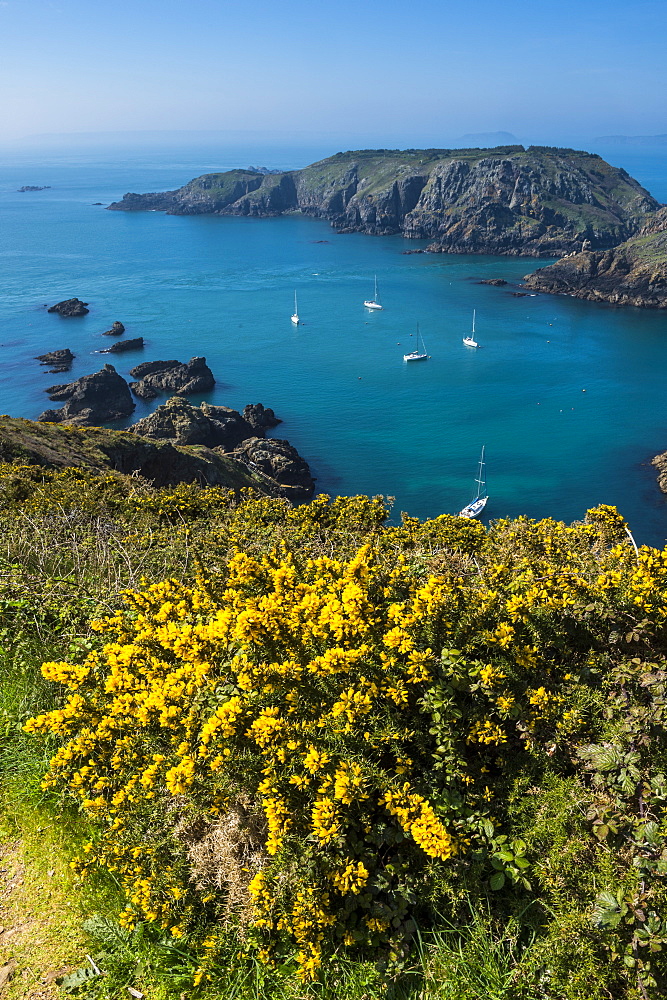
333	747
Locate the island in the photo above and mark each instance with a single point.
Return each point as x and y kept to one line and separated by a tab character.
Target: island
33	187
538	201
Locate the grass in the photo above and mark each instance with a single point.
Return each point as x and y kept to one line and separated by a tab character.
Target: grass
40	909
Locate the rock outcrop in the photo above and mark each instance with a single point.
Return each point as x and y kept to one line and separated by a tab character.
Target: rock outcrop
632	274
540	201
98	448
281	463
94	399
116	330
135	344
180	422
70	307
660	462
61	360
172	376
260	417
144	391
150	367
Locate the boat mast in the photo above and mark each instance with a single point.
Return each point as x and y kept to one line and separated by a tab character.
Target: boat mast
481	483
419	337
296	311
375	295
473	323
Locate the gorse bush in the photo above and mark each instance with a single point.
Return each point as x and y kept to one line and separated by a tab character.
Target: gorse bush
341	728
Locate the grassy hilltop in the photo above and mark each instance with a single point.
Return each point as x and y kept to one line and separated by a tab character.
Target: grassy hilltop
541	200
301	752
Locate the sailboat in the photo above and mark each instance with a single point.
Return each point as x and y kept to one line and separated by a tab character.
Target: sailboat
479	502
374	303
470	341
417	355
295	316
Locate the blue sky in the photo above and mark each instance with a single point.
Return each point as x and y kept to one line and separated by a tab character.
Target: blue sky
399	72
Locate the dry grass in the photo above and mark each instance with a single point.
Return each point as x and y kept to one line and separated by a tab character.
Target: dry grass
225	855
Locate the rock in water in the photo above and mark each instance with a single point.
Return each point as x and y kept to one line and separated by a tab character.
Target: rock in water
280	462
180	422
116	330
95	399
144	391
135	344
70	307
660	462
260	417
149	367
174	377
61	359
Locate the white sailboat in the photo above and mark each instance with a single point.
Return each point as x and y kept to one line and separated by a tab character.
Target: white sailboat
479	502
470	341
374	303
295	316
417	355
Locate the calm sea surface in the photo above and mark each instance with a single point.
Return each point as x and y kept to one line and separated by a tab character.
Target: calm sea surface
567	396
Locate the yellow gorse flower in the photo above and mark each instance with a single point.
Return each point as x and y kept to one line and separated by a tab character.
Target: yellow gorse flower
306	686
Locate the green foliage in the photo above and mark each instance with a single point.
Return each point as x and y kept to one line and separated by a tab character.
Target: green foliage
536	737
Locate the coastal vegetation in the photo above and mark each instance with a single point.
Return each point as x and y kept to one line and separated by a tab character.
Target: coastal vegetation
320	751
539	201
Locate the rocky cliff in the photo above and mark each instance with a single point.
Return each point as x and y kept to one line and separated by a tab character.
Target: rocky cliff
226	431
162	463
539	201
633	273
660	462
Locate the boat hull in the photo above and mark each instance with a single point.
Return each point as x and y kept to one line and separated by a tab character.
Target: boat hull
373	305
415	357
474	509
469	342
295	319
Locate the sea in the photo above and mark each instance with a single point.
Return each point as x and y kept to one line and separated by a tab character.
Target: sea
567	397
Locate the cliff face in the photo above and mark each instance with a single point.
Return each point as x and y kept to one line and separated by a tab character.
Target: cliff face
161	462
634	273
509	200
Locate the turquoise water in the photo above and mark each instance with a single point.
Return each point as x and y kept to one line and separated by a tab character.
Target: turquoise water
567	396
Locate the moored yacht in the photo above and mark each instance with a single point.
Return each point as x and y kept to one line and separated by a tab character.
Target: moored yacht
374	303
470	340
479	502
417	355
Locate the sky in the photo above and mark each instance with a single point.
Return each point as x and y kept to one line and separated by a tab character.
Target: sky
389	72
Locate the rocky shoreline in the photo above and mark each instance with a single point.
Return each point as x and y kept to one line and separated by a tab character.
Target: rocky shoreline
106	397
539	201
632	274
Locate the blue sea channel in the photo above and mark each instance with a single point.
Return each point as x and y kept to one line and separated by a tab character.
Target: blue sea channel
568	397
